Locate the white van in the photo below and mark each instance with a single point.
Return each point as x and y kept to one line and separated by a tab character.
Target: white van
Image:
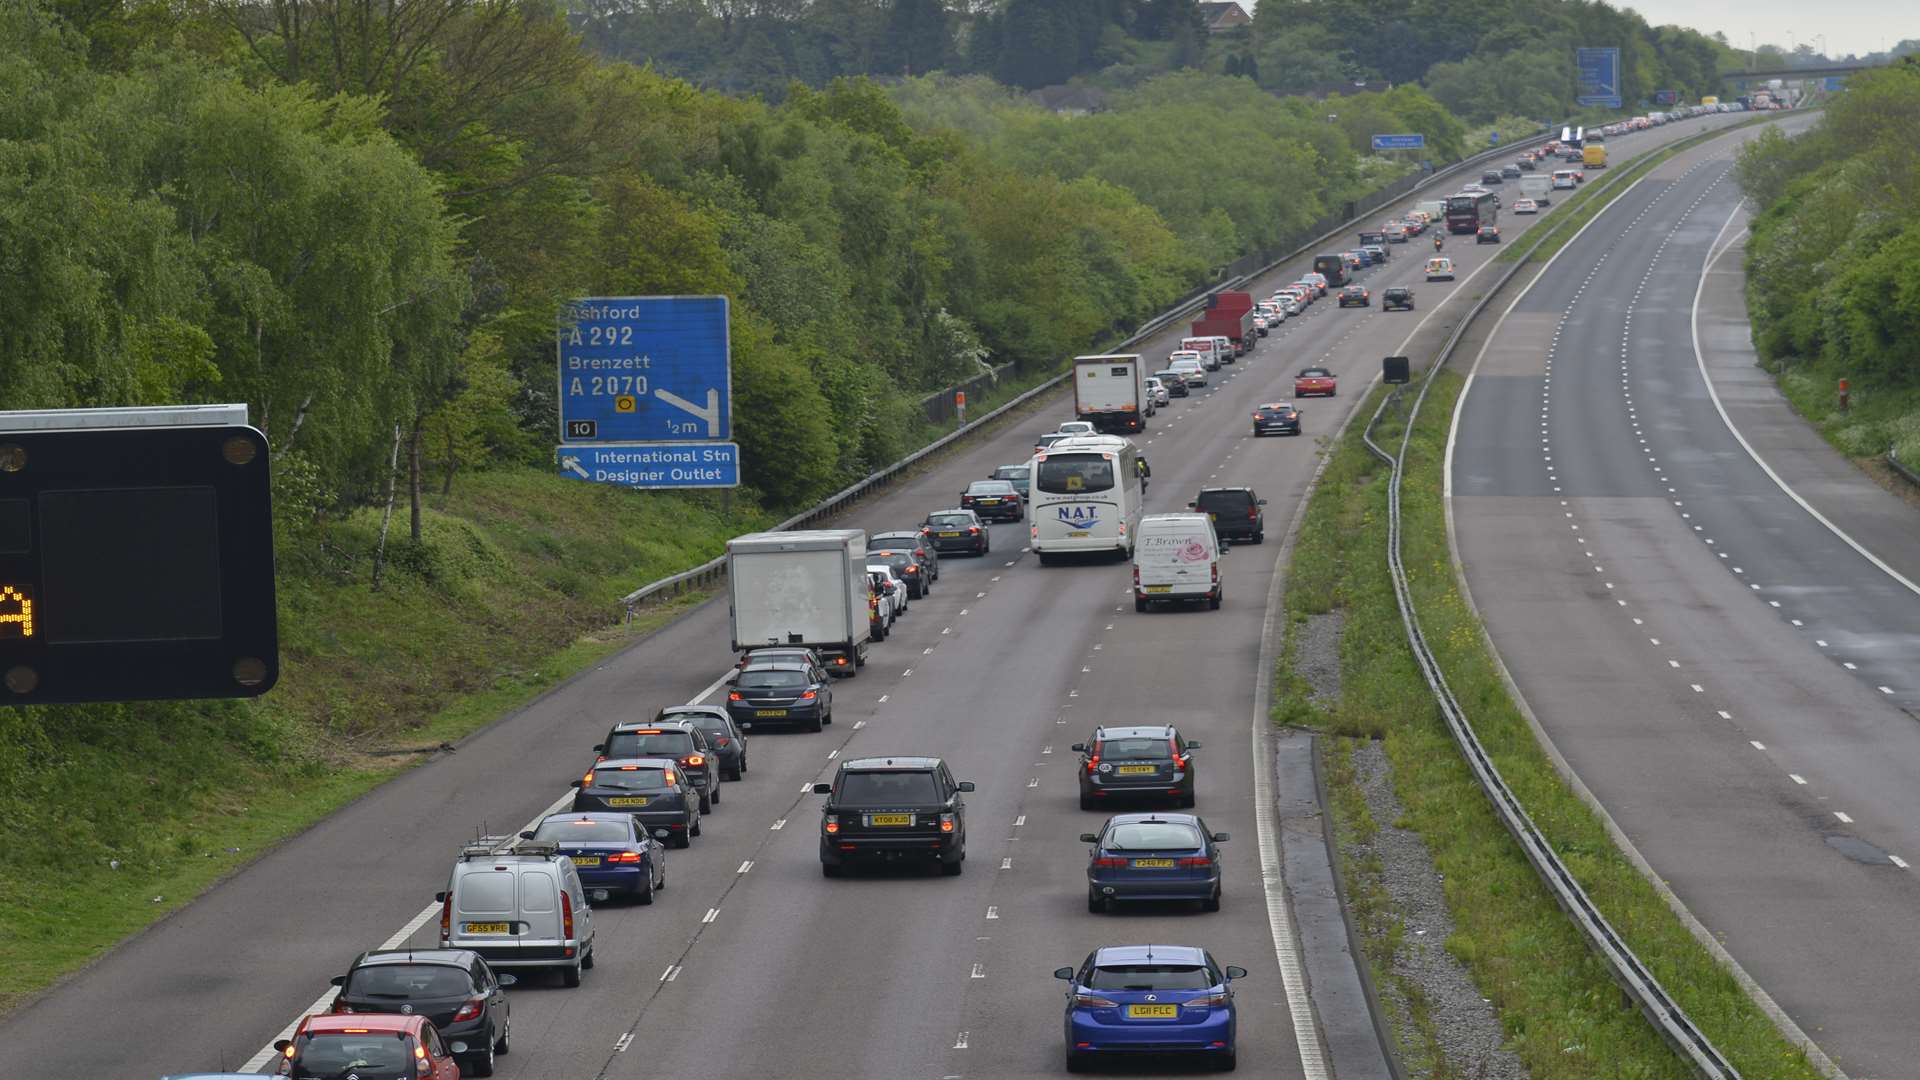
1208	350
1176	558
1228	351
521	907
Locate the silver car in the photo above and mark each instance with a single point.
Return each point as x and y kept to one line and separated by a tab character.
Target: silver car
1161	398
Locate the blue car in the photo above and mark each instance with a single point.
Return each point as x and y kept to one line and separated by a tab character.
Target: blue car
611	851
1153	857
1150	999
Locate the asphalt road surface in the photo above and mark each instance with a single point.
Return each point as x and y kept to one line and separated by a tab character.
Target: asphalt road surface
1735	681
751	963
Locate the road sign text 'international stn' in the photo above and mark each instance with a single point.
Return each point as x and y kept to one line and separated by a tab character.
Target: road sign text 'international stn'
645	369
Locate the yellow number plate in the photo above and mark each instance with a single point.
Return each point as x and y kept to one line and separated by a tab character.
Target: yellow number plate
1153	1012
594	860
948	535
1135	770
1154	864
1081	535
483	928
627	800
769	712
890	819
1159	588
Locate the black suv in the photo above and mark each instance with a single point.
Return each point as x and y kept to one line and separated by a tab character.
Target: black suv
1396	296
1235	511
680	740
453	988
1147	760
1491	178
893	808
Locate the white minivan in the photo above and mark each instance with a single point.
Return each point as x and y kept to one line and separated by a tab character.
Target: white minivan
1176	558
521	907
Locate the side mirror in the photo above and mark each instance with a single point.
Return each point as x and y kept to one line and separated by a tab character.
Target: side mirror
599	748
1236	972
505	980
1221	838
280	1045
439	898
1193	744
526	834
573	783
965	785
1089	838
1058	973
823	789
1224	546
1193	506
1259	502
1078	748
338	980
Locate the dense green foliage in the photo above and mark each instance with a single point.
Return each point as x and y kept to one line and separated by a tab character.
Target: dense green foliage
1834	263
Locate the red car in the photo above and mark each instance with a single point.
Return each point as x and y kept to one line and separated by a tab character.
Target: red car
372	1044
1313	380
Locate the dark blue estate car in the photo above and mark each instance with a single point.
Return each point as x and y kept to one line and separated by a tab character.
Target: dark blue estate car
1153	857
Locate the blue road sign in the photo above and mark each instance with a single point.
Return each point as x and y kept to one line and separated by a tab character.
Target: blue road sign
645	369
1599	71
1399	142
1493	138
1836	82
652	465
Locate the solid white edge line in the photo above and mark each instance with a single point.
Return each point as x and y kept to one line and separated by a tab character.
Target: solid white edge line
267	1052
1700	361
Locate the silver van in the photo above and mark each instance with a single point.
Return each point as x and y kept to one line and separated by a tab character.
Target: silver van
519	907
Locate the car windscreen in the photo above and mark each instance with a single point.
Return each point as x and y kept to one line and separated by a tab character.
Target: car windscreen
375	1055
1010	472
949	521
405	982
1149	977
1135	748
878	788
772	680
584	830
1075	474
1224	502
1314	373
1151	836
899	560
629	744
639	778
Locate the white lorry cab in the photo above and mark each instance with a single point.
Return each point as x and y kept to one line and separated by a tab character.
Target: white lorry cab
1177	559
1086	496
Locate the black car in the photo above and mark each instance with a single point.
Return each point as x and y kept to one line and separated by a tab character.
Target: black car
907	566
653	789
994	499
781	694
1148	760
957	530
1355	296
729	745
795	654
1235	511
1278	418
910	540
1488	234
1525	164
1175	383
1020	476
1510	172
1367	238
890	809
1397	297
453	988
1492	177
678	740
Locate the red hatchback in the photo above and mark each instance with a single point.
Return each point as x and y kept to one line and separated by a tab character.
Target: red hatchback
372	1046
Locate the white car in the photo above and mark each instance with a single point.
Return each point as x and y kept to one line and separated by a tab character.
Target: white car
1564	179
1525	206
1158	391
1076	427
1396	232
896	590
1440	269
1260	325
1189	367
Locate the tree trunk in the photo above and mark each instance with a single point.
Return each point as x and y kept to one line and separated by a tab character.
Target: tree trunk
413	474
446	487
386	518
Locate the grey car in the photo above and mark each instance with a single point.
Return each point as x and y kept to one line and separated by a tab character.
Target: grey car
676	739
729	745
781	694
924	555
1143	761
653	789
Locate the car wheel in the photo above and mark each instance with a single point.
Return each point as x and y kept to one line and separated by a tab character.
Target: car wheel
1211	903
644	895
1213	602
813	724
1095	902
477	1064
1046	559
1086	801
713	794
1227	1062
586	959
1260	537
570	976
694	830
680	841
505	1042
732	774
1076	1063
1186	801
1139	605
829	870
706	804
954	868
742	771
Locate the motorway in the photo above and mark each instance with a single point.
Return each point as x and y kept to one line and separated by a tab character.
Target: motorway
750	963
1733	678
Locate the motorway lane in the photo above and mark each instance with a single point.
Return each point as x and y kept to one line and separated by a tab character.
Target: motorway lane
1667	613
215	981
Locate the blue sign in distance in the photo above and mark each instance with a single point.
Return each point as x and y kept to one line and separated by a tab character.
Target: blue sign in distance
1599	71
1399	142
652	465
1836	82
1493	138
645	369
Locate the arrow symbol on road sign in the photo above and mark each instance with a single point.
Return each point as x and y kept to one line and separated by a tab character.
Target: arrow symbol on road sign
572	464
711	414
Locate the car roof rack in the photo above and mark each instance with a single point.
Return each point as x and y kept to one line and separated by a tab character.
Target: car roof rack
483	847
540	848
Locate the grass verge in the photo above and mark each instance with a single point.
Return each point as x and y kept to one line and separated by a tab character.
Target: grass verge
1563	1014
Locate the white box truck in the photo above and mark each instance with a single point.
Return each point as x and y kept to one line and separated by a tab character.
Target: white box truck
1538	187
806	588
1110	392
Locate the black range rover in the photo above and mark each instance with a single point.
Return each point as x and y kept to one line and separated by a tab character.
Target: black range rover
892	808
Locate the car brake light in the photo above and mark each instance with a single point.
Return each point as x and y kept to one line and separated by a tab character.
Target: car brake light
469	1010
340	1006
946	822
1207	1001
587	780
722	741
973	530
619	857
1136	576
694	760
809	696
566	914
446	917
671	777
1216	573
1090	1001
1196	860
1110	862
419	1052
1253	512
733	695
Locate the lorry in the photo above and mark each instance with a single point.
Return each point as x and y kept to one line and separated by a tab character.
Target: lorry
1538	187
803	588
1593	157
1228	315
1110	392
